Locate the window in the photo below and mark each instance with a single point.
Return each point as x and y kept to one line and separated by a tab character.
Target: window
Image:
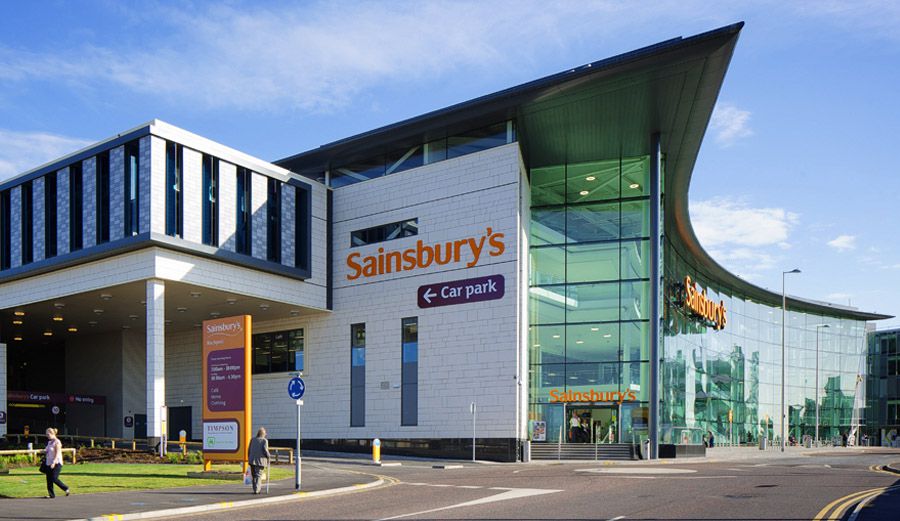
385	232
50	215
273	221
132	210
5	231
357	375
302	228
76	207
278	352
174	189
27	224
409	372
210	201
103	197
244	211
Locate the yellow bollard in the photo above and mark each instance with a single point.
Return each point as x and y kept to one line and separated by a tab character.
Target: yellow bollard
113	443
376	451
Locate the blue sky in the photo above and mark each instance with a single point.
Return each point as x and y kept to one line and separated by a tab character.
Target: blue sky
797	169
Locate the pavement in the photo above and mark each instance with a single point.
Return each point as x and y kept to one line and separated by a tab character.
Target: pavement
464	484
317	480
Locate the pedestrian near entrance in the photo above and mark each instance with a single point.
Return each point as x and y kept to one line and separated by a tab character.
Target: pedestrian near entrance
53	461
258	457
843	439
711	439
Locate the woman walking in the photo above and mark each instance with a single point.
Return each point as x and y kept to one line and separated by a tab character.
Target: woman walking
53	461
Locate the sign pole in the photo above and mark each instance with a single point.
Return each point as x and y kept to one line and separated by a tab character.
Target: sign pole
473	430
297	458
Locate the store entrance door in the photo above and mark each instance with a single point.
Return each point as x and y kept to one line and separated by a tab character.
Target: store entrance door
589	423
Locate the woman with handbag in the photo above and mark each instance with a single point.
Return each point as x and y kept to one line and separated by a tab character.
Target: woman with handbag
53	463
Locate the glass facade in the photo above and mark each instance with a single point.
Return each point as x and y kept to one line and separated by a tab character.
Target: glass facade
883	388
709	375
589	296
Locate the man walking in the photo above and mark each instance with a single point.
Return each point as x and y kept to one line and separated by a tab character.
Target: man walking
258	457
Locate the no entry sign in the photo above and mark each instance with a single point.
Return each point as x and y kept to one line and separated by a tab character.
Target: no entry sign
461	291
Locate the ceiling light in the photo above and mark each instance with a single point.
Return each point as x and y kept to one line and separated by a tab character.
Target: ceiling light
168	321
48	333
105	296
19	313
573	378
98	311
231	300
634	186
17	322
555	336
143	302
295	312
17	338
126	326
589	178
583	192
263	306
579	341
607	335
57	318
196	325
595	329
59	305
72	329
537	345
195	294
133	317
215	314
92	323
551	374
182	309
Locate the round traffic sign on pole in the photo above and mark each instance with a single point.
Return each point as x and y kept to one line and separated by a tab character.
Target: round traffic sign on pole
296	388
55	410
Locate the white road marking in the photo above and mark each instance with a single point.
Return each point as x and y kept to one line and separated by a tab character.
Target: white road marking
509	493
469	486
616	518
638	470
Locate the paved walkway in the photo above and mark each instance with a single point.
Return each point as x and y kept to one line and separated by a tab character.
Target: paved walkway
317	480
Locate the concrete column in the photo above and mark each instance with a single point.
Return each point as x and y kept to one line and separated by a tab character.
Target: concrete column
156	354
655	290
4	410
259	197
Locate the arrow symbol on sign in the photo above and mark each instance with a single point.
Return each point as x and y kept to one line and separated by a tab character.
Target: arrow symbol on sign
428	294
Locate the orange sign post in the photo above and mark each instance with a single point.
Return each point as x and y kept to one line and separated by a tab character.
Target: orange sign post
227	393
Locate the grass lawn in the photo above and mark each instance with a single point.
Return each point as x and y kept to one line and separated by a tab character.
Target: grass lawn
87	478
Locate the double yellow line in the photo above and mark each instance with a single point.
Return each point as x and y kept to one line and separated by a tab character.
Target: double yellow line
840	506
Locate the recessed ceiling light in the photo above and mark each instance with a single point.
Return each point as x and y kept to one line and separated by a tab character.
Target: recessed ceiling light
295	312
168	321
92	323
551	374
231	300
19	313
555	336
57	318
583	192
595	329
72	329
607	335
215	314
17	338
589	178
182	309
98	311
263	306
634	186
195	294
579	341
48	333
17	322
573	378
59	305
105	296
133	317
126	326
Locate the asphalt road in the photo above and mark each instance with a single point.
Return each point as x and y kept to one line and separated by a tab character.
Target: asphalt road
770	489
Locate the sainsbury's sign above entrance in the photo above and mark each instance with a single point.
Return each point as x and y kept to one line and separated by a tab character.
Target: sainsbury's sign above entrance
470	250
697	303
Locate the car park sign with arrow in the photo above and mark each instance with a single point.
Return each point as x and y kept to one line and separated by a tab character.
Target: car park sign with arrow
462	291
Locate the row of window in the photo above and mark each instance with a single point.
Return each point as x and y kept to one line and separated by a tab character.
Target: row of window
130	208
278	352
409	373
385	232
423	154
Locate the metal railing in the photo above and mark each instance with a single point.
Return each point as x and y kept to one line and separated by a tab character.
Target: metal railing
34	453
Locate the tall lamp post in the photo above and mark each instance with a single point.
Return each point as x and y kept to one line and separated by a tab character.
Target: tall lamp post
783	309
818	327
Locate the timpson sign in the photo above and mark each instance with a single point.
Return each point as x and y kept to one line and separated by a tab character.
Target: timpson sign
470	250
695	302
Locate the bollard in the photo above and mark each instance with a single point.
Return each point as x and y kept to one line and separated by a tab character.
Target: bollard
92	443
113	443
133	445
376	451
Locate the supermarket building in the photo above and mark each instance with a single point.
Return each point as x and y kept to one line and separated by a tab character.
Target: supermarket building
528	251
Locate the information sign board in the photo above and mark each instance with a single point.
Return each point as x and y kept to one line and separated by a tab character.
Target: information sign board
227	407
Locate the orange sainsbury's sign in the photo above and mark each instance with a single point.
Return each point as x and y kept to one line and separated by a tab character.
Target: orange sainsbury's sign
469	250
696	302
591	396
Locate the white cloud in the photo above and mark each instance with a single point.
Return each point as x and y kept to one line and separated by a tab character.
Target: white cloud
843	242
21	151
730	123
727	221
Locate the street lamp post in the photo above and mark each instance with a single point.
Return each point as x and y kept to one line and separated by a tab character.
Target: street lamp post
817	379
783	350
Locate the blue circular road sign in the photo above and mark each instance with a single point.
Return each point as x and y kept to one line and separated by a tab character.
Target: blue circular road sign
296	388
